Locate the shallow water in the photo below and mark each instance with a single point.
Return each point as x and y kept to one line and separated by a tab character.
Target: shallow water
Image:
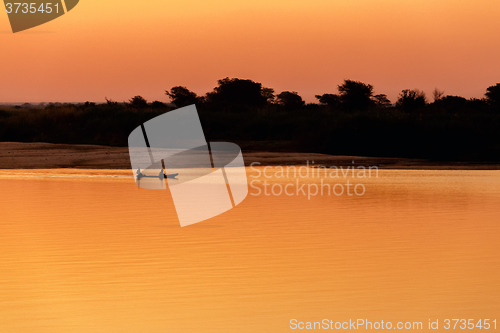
88	251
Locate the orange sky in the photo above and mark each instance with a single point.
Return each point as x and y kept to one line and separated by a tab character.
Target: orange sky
121	48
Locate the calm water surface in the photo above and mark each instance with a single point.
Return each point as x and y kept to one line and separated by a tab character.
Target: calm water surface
85	252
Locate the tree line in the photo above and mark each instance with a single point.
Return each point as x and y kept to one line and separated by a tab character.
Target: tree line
236	95
349	121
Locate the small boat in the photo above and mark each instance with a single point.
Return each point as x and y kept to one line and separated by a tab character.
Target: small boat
172	176
161	175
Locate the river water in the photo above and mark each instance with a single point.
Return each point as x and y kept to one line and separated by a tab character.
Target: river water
88	251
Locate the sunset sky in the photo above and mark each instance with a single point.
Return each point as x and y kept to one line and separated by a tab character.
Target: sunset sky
118	49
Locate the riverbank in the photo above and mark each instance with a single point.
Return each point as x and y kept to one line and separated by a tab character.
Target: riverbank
14	155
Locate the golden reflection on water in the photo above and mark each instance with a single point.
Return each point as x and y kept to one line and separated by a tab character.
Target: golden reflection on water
85	252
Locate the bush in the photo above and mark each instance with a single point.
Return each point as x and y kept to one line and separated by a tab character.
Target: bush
411	100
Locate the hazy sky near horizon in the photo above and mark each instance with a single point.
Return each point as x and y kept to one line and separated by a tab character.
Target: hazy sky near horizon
121	48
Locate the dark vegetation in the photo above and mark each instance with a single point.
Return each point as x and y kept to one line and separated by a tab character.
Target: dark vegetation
353	121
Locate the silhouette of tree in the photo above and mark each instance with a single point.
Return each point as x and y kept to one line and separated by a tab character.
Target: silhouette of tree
437	94
110	102
493	95
410	100
158	105
382	101
355	95
138	102
182	96
268	94
451	103
478	105
290	100
239	92
332	100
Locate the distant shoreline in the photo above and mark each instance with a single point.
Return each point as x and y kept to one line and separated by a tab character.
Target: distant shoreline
14	155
